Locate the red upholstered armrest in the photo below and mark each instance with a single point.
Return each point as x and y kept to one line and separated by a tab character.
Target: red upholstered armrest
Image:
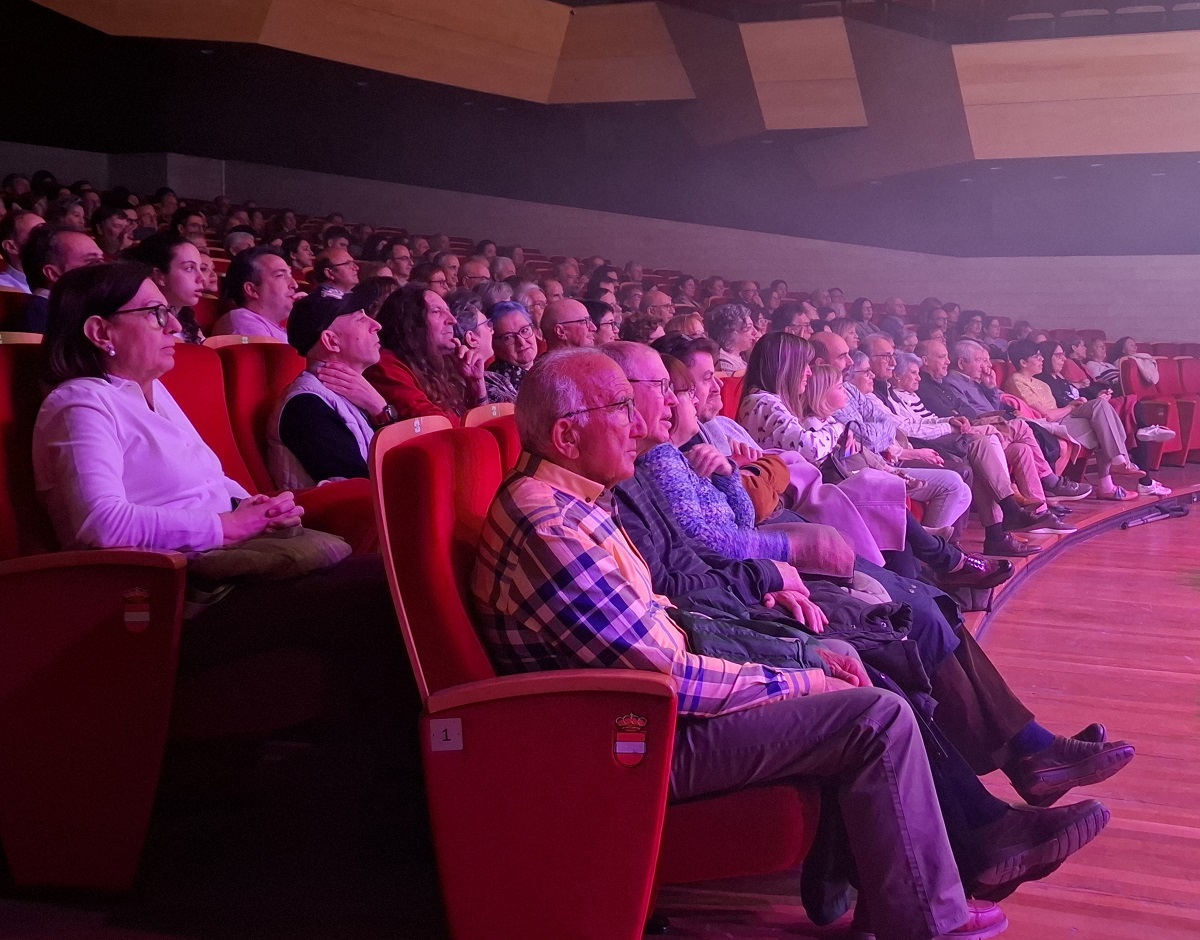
90	644
343	508
547	794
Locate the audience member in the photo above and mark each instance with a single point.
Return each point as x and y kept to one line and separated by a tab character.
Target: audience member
112	231
174	262
67	211
993	337
260	283
850	331
322	427
335	273
863	311
473	274
502	268
690	325
731	327
50	252
238	239
119	465
298	253
15	229
514	342
371	292
530	580
567	323
534	300
190	223
642	328
1094	424
606	320
399	259
791	317
423	368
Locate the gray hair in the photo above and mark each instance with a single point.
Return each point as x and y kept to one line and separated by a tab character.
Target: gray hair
625	353
549	391
466	310
858	359
492	293
503	267
245	239
872	337
963	350
523	291
906	360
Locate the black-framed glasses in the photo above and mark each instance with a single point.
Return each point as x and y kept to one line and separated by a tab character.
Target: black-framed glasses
663	385
580	320
627	404
476	277
690	392
342	264
162	313
889	356
525	332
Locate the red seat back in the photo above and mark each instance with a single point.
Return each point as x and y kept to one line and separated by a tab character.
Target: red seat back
256	375
731	394
1170	381
504	430
1133	383
1166	349
1003	369
197	384
1189	375
430	544
24	527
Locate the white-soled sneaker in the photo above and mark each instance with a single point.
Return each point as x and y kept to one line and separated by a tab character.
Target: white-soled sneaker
1155	434
1153	488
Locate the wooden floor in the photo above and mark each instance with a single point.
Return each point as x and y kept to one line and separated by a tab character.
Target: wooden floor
1102	628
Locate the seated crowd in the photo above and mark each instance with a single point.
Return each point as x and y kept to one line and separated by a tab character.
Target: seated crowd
768	563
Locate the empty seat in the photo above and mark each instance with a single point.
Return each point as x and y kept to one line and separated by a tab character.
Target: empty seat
1166	349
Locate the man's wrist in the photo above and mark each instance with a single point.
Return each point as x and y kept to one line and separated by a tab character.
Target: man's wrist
384	416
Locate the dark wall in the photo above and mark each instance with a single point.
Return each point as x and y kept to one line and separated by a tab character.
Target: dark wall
73	87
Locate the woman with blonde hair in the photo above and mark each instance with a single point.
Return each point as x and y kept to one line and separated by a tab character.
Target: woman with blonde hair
788	404
690	325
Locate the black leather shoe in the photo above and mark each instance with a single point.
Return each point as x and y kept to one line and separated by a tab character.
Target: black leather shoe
1028	843
1043	778
977	572
1025	520
1095	733
1009	547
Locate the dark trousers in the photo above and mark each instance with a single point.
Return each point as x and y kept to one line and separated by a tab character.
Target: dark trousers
866	747
921	546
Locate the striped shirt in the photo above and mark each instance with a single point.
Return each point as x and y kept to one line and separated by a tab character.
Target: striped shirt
558	585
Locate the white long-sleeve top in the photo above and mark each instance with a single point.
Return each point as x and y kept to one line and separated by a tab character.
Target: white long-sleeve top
915	419
116	473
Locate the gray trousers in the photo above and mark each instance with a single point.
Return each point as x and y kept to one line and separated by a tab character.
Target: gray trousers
866	745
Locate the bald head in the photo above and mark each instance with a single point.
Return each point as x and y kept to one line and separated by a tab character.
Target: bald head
831	349
659	303
575	410
566	323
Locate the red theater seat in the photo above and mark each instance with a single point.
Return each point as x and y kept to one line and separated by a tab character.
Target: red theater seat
1166	349
731	395
512	760
12	302
1152	406
197	383
1170	382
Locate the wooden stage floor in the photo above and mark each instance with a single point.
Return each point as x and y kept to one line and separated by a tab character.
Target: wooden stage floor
1104	629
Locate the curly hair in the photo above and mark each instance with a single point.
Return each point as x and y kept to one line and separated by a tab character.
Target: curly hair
404	331
723	321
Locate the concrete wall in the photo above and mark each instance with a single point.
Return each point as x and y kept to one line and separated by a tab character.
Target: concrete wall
1150	297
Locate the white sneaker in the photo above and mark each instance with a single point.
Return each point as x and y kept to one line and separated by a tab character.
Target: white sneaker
1153	488
1155	434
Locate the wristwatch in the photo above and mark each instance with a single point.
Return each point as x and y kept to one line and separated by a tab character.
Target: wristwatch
389	415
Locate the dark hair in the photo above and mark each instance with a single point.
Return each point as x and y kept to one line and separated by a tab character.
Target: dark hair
335	231
244	269
103	214
405	332
158	250
480	247
597	309
781	316
98	290
162	192
441	257
8	228
290	246
1047	350
1020	349
60	208
685	348
1114	351
638	327
856	308
423	271
41	248
372	292
182	214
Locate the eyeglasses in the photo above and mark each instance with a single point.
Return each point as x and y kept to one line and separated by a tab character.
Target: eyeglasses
626	404
663	385
525	332
342	264
889	356
660	307
689	392
476	277
580	320
162	313
433	283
